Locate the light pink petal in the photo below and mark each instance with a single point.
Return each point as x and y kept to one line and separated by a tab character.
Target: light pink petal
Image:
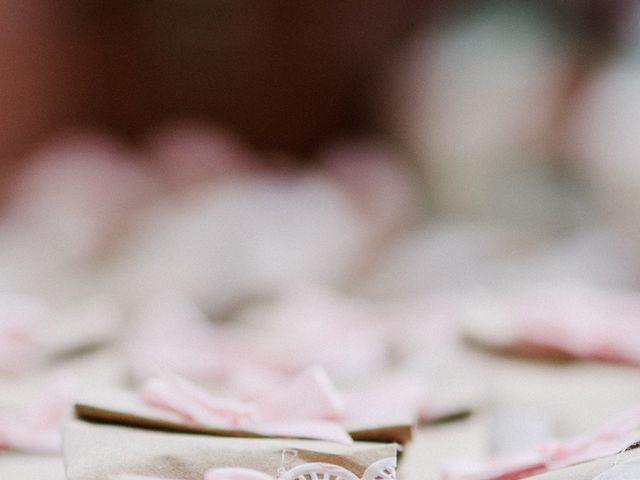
157	393
234	411
253	382
44	441
400	400
310	395
195	404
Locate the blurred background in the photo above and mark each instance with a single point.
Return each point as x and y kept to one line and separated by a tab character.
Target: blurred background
496	112
400	167
495	103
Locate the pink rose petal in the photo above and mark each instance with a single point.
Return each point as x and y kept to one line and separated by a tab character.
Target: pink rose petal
195	404
310	395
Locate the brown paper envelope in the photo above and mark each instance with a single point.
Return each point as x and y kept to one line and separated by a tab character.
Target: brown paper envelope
97	451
